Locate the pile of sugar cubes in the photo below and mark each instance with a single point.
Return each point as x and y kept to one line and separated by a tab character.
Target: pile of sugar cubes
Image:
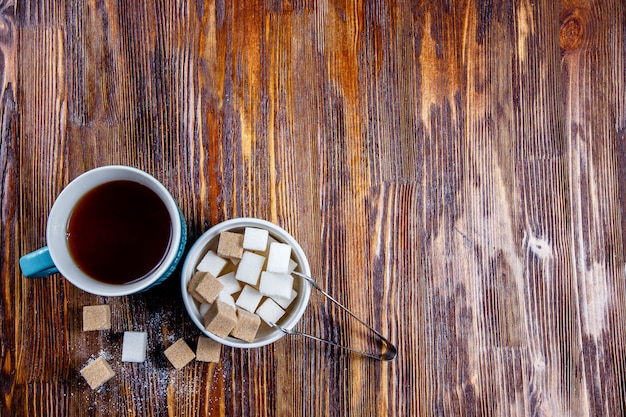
248	279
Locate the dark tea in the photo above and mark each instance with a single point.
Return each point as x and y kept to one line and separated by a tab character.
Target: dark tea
119	232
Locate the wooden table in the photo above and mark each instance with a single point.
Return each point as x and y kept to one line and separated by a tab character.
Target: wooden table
453	170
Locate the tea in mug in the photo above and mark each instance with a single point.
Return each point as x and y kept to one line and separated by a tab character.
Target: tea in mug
119	232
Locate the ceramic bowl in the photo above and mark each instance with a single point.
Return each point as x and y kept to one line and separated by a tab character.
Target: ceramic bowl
209	240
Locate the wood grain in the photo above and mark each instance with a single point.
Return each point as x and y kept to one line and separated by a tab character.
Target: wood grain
453	170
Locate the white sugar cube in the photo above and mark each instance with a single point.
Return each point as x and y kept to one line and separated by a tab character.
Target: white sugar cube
270	240
276	285
250	267
269	311
203	309
255	239
212	263
226	298
249	299
134	346
292	266
285	302
278	258
231	285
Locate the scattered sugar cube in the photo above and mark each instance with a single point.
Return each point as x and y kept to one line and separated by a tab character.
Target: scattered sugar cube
208	350
208	289
249	299
96	317
179	354
276	285
269	311
255	239
230	283
220	319
278	258
230	245
97	372
134	346
203	309
247	325
250	268
286	302
226	298
212	263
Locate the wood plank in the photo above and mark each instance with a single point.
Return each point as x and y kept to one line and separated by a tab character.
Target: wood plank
453	171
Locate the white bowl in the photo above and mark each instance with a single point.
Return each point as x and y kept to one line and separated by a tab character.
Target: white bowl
209	240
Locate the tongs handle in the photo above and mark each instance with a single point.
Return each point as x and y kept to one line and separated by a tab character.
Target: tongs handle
389	351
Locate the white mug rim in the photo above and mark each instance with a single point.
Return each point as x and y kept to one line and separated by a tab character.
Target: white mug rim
61	211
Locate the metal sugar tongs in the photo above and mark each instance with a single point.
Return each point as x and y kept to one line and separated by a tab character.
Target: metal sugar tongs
389	351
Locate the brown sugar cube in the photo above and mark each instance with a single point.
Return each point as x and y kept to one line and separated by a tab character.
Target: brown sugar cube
96	317
247	325
179	354
97	372
220	319
194	281
230	245
208	350
193	284
207	289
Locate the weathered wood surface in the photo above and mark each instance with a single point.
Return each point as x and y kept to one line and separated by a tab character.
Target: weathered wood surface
454	171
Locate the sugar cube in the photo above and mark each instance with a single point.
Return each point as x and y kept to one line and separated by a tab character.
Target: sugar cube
276	285
134	346
203	309
269	311
230	283
96	317
208	350
286	302
278	258
247	325
249	299
250	268
220	319
179	354
255	239
193	284
208	289
97	372
226	298
266	251
292	266
230	245
212	263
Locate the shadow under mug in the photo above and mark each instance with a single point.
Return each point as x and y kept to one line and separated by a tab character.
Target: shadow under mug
56	258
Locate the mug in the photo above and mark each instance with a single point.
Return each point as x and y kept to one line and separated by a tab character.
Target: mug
57	257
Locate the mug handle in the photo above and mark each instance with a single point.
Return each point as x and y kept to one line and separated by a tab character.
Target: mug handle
38	264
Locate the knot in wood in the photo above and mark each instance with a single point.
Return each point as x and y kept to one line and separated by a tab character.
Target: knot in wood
6	30
572	30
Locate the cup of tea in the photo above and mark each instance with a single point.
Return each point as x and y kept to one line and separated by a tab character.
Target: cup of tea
113	231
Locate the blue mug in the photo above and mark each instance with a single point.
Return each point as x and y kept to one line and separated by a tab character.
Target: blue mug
56	256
